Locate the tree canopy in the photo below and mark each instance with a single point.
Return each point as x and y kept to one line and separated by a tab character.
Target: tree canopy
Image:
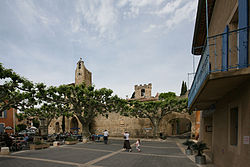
155	111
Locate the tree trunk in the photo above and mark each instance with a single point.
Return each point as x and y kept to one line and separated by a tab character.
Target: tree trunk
63	123
85	130
155	128
85	126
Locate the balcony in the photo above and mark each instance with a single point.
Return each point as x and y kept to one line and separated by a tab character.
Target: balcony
223	66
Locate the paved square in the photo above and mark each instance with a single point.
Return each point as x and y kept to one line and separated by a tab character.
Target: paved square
97	154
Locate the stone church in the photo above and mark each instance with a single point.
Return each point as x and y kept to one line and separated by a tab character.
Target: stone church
173	124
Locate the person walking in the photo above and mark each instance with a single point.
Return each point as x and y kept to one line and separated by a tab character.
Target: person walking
126	145
138	145
105	136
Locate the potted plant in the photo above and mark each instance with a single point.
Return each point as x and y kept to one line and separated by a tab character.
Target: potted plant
70	140
188	143
38	145
199	147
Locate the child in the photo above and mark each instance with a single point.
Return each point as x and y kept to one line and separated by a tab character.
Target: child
138	145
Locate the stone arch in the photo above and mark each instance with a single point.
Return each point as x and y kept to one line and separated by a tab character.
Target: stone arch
179	126
175	115
74	125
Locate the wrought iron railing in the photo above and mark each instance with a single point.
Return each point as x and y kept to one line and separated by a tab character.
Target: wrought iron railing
227	51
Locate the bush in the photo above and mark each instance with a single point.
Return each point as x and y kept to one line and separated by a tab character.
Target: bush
199	147
71	139
38	143
188	143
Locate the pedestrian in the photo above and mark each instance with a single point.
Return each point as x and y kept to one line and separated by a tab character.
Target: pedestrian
138	145
105	136
126	145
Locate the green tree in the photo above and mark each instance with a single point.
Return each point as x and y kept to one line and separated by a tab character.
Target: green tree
183	88
85	102
16	91
155	111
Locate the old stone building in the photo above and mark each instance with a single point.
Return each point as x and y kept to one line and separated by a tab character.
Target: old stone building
172	124
116	124
82	74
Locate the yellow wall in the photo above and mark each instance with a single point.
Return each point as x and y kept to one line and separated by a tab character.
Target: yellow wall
224	153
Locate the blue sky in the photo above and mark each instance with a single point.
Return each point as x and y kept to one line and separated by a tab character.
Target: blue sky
122	42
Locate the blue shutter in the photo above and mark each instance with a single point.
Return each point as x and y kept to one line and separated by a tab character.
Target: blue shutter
243	35
225	50
5	114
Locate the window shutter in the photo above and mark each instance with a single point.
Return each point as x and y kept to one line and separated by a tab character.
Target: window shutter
243	34
225	50
5	114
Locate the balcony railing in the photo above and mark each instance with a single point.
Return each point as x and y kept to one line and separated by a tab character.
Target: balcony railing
227	51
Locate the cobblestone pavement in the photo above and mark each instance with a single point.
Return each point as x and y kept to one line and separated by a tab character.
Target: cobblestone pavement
97	154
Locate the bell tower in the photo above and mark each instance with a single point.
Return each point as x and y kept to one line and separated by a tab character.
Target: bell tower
82	74
143	91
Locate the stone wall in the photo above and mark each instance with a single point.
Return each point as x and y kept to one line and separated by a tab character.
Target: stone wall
137	127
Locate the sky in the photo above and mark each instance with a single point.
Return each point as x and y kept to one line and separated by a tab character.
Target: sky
122	42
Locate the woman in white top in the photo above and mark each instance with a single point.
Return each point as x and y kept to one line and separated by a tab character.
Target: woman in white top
105	136
126	144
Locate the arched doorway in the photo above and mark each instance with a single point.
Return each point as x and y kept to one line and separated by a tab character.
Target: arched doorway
178	126
74	125
57	130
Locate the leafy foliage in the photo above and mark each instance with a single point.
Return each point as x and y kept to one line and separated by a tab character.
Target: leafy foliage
199	147
157	110
188	143
16	91
183	88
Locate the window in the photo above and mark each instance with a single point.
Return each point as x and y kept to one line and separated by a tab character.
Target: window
234	126
3	114
79	66
143	92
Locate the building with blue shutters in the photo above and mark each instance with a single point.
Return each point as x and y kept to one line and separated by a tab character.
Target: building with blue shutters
221	87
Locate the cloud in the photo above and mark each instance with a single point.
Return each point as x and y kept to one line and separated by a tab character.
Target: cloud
169	7
99	16
177	12
139	3
187	12
133	7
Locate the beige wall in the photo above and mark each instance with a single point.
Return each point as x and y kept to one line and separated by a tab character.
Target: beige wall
206	134
225	154
52	126
117	125
225	13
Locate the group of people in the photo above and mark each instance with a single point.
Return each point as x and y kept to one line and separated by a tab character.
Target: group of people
126	144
